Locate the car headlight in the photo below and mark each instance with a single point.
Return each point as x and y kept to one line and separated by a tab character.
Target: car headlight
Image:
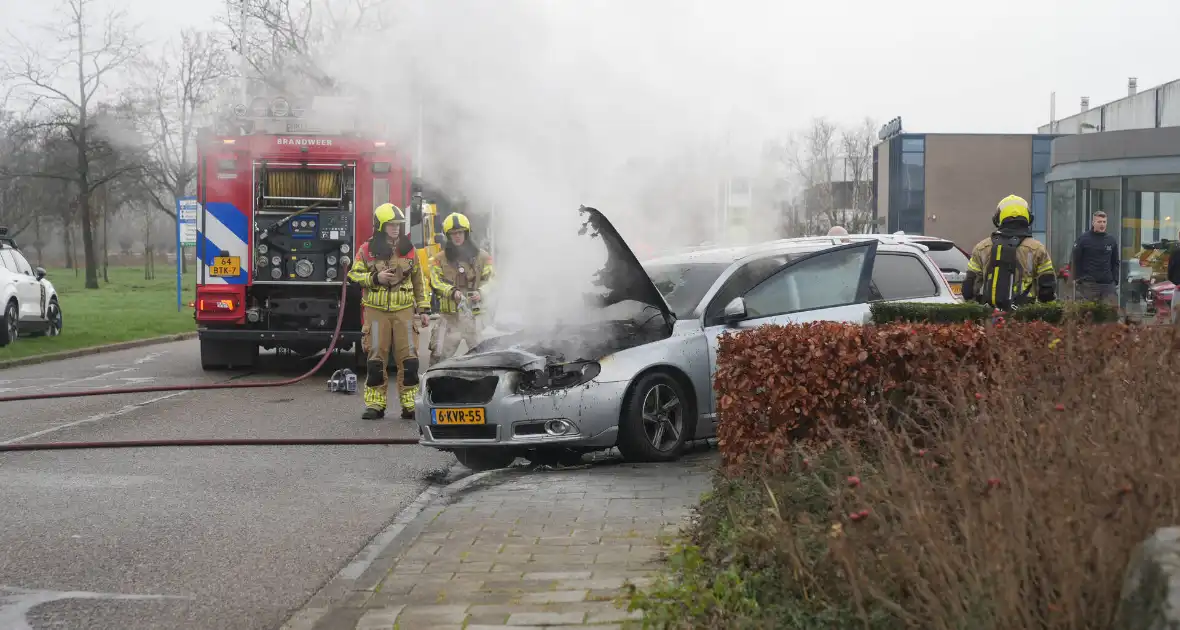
559	376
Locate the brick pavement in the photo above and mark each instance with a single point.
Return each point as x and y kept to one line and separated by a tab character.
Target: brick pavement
526	549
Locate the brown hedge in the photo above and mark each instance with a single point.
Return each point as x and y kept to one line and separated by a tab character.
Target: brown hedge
780	386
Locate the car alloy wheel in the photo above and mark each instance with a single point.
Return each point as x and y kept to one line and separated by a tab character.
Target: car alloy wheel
663	417
55	320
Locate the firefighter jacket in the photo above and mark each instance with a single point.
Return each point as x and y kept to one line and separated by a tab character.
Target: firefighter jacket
1008	269
447	276
407	290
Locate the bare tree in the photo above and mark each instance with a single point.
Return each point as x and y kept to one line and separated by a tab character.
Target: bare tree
178	92
283	41
834	167
69	104
856	148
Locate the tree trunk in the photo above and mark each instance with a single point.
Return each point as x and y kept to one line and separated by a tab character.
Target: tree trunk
149	266
88	249
68	241
106	208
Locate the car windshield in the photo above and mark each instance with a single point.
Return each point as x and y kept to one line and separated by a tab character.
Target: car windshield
946	256
683	285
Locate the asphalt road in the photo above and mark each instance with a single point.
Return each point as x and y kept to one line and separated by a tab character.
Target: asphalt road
198	537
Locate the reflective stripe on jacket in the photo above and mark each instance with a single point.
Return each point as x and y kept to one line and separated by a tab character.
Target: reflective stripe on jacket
445	277
407	291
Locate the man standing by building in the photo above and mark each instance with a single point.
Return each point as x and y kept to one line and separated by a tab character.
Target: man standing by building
1095	263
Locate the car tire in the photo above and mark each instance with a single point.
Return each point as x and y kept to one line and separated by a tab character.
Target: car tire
646	419
480	459
53	314
9	323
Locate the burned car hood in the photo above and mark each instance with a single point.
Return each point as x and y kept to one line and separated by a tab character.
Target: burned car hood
622	277
534	348
630	324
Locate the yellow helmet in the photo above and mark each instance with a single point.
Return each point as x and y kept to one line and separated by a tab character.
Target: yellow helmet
455	221
1012	207
385	213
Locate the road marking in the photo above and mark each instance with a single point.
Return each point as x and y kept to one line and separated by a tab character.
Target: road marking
14	608
71	382
95	418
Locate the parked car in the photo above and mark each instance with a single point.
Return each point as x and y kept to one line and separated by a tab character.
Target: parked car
28	301
637	372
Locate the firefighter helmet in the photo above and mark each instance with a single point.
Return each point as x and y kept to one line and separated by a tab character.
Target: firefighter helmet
456	221
386	213
1012	207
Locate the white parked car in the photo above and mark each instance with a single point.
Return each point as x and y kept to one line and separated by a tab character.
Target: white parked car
28	301
637	370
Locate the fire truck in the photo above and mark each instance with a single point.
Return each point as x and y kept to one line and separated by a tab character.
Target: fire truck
283	204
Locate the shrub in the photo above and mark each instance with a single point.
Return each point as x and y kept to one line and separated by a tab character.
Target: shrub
777	385
1010	498
1054	312
925	312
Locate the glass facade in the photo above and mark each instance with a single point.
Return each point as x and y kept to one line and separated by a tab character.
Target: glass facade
907	186
1143	213
1041	146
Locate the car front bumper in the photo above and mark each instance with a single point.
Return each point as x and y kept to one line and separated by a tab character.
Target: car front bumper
512	420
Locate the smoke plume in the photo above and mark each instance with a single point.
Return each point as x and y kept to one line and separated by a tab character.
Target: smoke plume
532	108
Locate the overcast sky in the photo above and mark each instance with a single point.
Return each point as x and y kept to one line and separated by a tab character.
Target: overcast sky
941	66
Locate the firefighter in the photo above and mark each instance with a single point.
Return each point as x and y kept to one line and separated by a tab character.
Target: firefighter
394	296
457	275
1010	268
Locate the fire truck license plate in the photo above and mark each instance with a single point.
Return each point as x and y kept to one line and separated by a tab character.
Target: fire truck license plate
225	266
459	415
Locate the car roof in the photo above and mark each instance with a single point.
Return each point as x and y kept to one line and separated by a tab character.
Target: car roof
807	244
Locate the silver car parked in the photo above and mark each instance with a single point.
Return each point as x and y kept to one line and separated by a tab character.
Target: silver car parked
638	373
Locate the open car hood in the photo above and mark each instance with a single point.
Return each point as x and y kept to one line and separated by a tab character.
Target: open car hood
623	278
626	296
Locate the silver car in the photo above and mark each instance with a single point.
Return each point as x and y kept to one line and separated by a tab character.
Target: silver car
638	375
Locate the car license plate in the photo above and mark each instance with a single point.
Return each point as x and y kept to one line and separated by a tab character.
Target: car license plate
458	415
225	266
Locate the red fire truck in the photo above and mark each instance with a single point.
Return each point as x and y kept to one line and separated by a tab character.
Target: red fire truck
282	209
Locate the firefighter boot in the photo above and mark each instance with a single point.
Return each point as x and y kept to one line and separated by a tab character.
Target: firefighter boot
407	400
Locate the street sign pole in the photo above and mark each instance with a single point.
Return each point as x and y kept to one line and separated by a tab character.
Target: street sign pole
186	236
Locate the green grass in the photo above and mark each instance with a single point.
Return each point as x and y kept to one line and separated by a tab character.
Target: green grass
126	308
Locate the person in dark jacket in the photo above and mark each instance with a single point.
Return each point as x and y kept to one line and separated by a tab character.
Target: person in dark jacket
1095	263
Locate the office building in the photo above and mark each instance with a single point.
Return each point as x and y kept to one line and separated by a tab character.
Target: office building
948	184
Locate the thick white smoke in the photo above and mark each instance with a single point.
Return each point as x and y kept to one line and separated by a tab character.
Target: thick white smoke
534	107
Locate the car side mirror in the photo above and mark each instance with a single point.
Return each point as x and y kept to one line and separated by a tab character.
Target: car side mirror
734	312
39	272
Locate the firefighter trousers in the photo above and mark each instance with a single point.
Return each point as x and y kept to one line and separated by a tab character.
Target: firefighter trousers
450	330
385	332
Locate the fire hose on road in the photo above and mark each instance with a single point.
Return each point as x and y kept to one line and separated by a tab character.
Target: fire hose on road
47	446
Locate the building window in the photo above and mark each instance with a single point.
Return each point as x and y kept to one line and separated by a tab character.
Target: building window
1063	204
907	186
1150	225
1041	147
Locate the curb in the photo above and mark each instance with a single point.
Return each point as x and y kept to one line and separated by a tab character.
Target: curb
82	352
376	559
